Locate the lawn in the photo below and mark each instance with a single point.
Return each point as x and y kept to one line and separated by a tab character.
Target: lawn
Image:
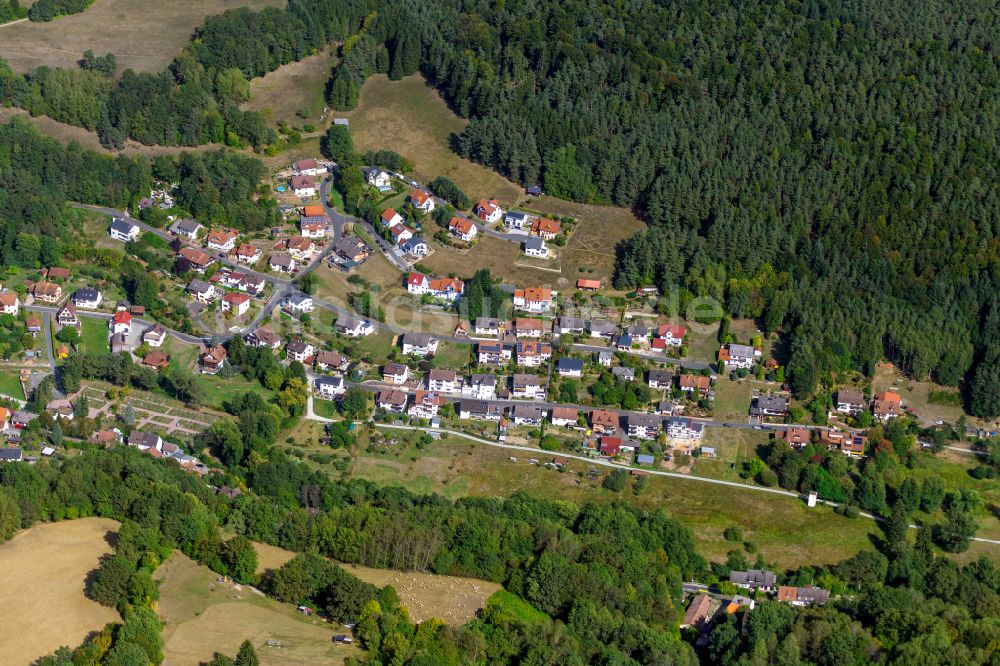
325	408
451	356
218	390
43	603
10	383
732	399
298	86
202	615
916	394
144	36
94	334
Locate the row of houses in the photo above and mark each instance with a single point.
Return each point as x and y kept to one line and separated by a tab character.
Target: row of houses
885	405
850	443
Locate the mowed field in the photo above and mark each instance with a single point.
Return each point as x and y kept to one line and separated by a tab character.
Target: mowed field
202	615
144	36
42	600
450	598
297	86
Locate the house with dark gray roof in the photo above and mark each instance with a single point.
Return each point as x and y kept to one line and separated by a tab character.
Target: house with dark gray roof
754	579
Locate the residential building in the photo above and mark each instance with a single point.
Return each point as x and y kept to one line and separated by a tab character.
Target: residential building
395	373
850	401
535	247
545	228
379	179
213	360
145	440
623	342
604	421
672	334
601	328
67	315
532	353
416	246
528	386
754	579
392	401
487	326
699	614
570	367
422	200
420	344
443	381
516	220
738	356
483	386
534	299
199	259
531	415
300	247
564	416
887	405
352	326
462	229
298	302
46	292
123	231
252	284
351	248
802	596
390	218
425	405
156	359
329	388
488	211
796	437
186	228
574	325
623	374
769	406
314	227
854	445
479	410
418	283
610	446
155	335
9	303
303	186
527	328
237	303
221	240
660	378
119	343
299	350
643	426
202	291
264	337
121	323
327	361
493	353
400	234
56	273
604	358
588	285
698	385
281	263
309	167
248	254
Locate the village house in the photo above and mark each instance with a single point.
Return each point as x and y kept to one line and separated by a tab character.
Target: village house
699	614
248	254
493	353
545	228
391	218
299	350
300	248
328	361
308	167
392	401
157	360
623	373
199	259
604	358
462	229
796	437
535	247
623	342
530	415
488	210
850	401
123	231
570	367
532	353
237	303
20	419
145	440
418	283
672	335
221	240
329	388
765	406
479	410
395	373
613	446
186	228
588	285
46	292
534	299
9	303
280	262
443	381
528	387
263	337
425	405
203	291
482	386
601	328
516	220
416	246
487	326
379	179
60	409
252	284
564	416
353	327
303	186
311	227
604	421
56	273
525	327
213	360
420	344
643	426
422	201
738	356
571	325
854	445
802	596
154	336
659	378
298	303
400	234
67	315
351	248
754	579
887	405
683	427
699	385
105	438
121	322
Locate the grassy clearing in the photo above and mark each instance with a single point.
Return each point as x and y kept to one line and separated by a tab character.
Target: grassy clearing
218	390
42	600
297	86
94	334
732	399
916	394
451	356
202	615
450	598
10	383
122	27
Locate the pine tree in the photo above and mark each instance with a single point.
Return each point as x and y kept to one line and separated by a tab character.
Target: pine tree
247	656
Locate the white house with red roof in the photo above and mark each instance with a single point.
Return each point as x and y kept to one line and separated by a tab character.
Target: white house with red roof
391	218
418	283
121	322
489	211
462	229
400	234
236	302
248	254
671	334
308	167
222	240
422	200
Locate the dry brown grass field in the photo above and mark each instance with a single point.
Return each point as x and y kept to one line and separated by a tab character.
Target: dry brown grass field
450	598
203	615
297	86
143	35
42	600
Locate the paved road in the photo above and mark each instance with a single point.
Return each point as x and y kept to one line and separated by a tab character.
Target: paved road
339	220
183	337
659	358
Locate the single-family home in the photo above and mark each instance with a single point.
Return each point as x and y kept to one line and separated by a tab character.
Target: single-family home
802	596
531	415
390	218
20	419
123	231
545	228
329	388
493	353
418	283
60	409
416	246
351	248
564	416
67	315
303	186
854	445
300	247
420	344
279	262
46	292
604	421
236	302
535	247
186	228
248	254
9	303
479	410
307	167
671	334
105	438
213	359
482	386
643	426
392	401
204	292
379	179
698	385
462	229
145	441
264	337
487	326
352	326
604	358
395	373
796	437
850	401
602	328
610	446
887	405
525	327
443	381
221	240
623	373
56	273
699	614
155	335
738	356
252	284
327	360
660	378
425	405
314	227
528	386
299	350
754	579
156	359
532	353
121	323
570	367
298	302
422	200
588	285
573	325
488	210
534	299
765	406
198	259
119	343
515	219
400	234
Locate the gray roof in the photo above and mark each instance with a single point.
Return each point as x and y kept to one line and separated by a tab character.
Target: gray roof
661	376
186	226
850	396
753	578
297	346
644	420
198	286
323	380
416	339
349	246
487	322
413	241
516	214
349	321
534	243
121	226
742	351
86	294
140	438
572	323
685	422
527	412
771	403
645	459
527	380
280	259
621	372
479	407
10	454
639	330
484	378
570	364
812	595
